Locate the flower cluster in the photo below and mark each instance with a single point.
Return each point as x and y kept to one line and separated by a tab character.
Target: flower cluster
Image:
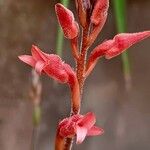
92	15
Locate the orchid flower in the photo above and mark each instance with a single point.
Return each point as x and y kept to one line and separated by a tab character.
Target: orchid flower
53	66
50	64
79	125
114	47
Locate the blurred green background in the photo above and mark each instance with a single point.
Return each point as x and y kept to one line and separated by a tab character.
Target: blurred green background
124	115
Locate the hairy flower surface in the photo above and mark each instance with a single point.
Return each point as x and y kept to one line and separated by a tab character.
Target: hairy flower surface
118	44
79	125
115	46
67	21
50	64
99	13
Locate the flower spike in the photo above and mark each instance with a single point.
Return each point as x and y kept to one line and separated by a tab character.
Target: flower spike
67	21
79	125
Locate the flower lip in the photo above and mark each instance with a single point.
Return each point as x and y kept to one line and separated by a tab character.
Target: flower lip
79	125
87	121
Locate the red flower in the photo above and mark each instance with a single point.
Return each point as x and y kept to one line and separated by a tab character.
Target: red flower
67	22
50	64
115	46
123	41
79	125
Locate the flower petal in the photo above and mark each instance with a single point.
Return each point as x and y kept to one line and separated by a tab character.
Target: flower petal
40	65
81	134
71	73
123	41
95	131
87	121
67	127
99	13
55	70
37	53
66	20
101	49
27	59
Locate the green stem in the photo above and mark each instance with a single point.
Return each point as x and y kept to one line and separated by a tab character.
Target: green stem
36	115
36	121
60	38
120	13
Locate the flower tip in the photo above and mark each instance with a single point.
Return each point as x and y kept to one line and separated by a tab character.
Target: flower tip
66	21
27	59
94	131
34	46
23	58
91	116
79	141
20	57
99	13
108	56
123	41
100	132
81	134
58	6
88	120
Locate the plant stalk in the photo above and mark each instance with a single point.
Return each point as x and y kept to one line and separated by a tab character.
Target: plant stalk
120	13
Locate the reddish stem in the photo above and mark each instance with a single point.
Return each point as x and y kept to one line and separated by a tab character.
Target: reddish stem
81	64
59	142
76	90
74	46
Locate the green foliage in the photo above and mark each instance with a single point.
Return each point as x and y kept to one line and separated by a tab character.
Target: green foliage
120	13
36	115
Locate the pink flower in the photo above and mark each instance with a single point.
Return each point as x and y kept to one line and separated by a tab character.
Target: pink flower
50	64
118	44
67	21
123	41
115	46
79	125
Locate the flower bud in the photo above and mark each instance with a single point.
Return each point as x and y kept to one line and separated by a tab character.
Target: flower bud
99	13
114	47
123	41
67	22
